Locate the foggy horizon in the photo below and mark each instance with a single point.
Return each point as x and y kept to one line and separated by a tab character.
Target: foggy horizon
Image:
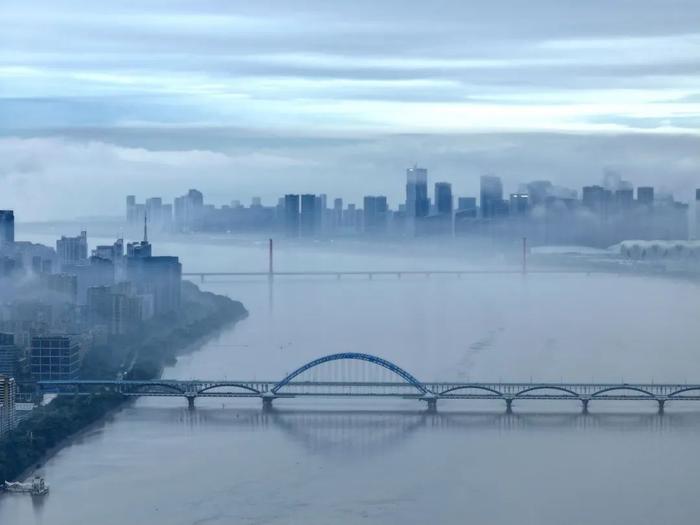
240	100
318	262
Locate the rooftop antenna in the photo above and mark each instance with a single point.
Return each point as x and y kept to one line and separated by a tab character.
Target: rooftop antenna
145	227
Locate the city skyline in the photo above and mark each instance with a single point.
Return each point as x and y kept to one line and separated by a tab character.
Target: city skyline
318	97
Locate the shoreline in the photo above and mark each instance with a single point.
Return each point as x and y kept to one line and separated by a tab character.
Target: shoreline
21	457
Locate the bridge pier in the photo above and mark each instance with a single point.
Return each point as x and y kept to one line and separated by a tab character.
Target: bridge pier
190	402
661	402
585	405
431	400
267	399
509	405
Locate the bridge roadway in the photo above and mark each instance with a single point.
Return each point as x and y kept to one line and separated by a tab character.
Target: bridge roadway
408	387
370	274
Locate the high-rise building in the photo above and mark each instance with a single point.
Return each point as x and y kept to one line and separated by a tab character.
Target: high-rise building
291	215
596	198
10	356
154	210
645	195
64	286
466	203
491	195
376	214
337	213
8	392
417	202
443	198
72	250
54	357
7	227
519	203
130	208
112	252
160	277
310	212
109	306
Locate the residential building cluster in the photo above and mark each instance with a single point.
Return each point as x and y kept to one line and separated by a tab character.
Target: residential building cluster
56	304
599	215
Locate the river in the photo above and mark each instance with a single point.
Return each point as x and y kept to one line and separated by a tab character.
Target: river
373	462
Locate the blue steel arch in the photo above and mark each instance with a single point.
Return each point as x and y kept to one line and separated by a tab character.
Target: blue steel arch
471	387
688	389
613	388
548	387
354	356
221	385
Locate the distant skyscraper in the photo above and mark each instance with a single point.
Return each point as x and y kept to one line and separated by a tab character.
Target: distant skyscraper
443	198
491	196
160	277
596	198
8	391
645	195
130	208
310	212
291	215
466	203
55	357
375	214
417	203
519	203
7	227
72	250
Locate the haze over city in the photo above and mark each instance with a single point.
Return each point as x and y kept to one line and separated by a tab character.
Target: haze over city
339	99
330	263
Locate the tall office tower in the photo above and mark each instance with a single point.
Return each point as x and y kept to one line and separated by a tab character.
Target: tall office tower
491	195
160	277
595	198
321	213
624	198
308	221
375	214
537	191
337	213
291	215
645	195
443	198
466	203
417	203
8	391
10	356
154	210
54	357
519	203
72	250
130	208
7	227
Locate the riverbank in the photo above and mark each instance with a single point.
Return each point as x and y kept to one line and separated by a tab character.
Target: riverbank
141	355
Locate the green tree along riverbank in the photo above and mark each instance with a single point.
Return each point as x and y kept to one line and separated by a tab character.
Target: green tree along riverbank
142	355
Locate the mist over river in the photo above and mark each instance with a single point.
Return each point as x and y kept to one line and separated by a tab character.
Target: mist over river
377	461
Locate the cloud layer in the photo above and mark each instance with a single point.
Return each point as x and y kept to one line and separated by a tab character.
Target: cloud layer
278	95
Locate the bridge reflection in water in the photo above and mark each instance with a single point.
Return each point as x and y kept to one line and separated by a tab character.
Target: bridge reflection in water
351	375
348	433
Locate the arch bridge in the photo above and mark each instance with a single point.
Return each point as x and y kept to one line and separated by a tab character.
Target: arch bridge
379	378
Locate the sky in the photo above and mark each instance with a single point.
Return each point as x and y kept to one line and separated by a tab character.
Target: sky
243	99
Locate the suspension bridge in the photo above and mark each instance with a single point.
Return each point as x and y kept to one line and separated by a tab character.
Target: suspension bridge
359	375
399	273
